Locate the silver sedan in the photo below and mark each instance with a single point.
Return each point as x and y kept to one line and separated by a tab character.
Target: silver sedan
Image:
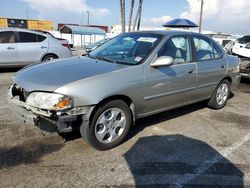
131	76
20	47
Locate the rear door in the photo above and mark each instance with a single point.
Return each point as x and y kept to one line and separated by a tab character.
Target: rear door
211	64
31	47
8	48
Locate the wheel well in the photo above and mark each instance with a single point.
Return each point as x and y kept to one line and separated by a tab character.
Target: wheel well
124	98
228	78
48	55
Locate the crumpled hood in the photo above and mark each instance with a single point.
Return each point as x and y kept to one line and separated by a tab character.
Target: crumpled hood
51	75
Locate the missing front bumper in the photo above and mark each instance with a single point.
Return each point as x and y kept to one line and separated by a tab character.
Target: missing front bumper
47	120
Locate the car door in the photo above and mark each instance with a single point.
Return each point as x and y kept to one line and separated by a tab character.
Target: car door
32	47
211	65
171	86
8	48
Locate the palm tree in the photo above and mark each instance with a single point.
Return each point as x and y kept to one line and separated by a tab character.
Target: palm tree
122	11
138	16
131	14
139	19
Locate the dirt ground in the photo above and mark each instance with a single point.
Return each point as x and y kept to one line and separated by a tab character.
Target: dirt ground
192	146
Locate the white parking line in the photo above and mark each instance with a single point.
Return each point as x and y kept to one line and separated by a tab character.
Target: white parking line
209	163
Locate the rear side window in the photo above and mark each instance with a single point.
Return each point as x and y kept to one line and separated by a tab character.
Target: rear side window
27	37
40	38
30	37
205	49
7	37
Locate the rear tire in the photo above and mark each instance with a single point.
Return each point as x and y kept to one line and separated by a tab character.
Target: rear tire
108	126
220	95
49	57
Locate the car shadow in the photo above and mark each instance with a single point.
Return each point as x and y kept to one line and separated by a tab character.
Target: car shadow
141	124
7	70
179	161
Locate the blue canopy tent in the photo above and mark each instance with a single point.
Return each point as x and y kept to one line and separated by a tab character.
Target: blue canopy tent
82	30
180	23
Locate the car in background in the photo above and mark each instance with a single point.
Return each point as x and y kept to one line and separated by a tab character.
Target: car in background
242	47
229	46
64	42
242	50
133	75
20	47
91	47
245	67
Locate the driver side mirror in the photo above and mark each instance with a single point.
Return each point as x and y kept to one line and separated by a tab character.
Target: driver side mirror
162	61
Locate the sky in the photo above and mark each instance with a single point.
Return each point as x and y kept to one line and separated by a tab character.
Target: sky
229	16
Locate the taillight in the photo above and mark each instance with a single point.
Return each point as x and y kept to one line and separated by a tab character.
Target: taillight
66	45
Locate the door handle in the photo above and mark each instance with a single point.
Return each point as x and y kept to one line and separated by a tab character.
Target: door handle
10	48
222	66
191	72
43	47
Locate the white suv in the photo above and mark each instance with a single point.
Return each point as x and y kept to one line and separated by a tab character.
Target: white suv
20	47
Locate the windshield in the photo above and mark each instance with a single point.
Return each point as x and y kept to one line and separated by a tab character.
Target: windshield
129	48
245	39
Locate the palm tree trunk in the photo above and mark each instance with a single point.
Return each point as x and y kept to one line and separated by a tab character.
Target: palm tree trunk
122	11
139	19
138	16
131	14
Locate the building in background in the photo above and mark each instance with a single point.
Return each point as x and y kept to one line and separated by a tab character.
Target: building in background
27	24
117	29
103	27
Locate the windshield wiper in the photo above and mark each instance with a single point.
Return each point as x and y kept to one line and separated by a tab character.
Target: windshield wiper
100	58
108	60
103	58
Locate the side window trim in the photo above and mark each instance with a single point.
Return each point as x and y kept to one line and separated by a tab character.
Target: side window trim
212	45
17	36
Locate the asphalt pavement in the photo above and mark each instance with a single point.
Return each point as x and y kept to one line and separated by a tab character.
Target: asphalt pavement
192	146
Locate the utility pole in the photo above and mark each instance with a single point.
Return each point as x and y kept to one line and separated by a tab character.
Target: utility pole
27	13
88	18
82	19
201	12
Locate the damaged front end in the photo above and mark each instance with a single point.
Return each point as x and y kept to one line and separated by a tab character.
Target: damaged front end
51	112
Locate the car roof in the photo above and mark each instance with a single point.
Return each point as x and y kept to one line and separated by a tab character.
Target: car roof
21	29
169	33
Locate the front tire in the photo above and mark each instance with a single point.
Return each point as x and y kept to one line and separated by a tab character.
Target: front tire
108	126
220	95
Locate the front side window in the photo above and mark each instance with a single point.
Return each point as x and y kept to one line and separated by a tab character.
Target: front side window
7	37
178	48
129	48
205	49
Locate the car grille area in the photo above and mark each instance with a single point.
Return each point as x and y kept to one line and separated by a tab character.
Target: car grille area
19	92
